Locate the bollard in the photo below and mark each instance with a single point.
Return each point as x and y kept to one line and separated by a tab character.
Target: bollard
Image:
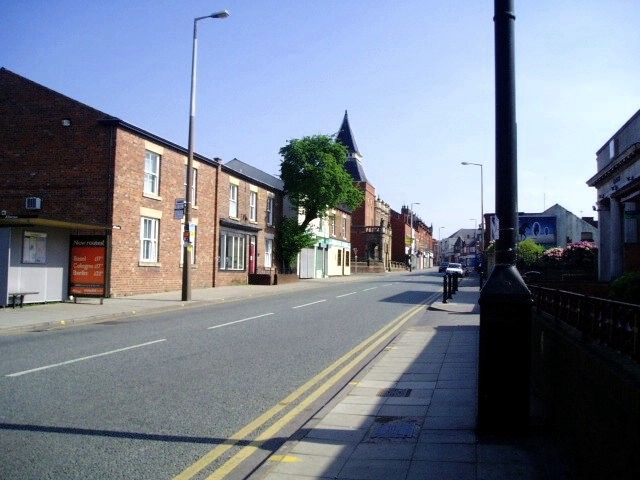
455	283
445	294
450	289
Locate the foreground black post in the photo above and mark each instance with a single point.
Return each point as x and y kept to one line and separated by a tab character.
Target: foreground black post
456	278
450	280
505	301
445	293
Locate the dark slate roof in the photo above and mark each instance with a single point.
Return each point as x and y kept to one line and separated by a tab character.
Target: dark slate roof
345	135
254	174
354	167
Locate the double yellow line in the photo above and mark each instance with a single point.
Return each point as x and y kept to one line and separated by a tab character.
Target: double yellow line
359	353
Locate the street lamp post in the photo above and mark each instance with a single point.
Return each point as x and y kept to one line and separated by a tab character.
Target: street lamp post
186	240
412	235
481	204
505	301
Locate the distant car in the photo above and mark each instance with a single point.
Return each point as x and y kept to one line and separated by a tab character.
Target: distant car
443	267
455	269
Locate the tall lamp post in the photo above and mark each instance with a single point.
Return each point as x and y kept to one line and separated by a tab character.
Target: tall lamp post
505	301
481	202
440	245
186	240
412	235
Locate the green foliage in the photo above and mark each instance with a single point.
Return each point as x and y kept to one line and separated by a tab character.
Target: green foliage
528	253
290	239
581	255
315	178
626	288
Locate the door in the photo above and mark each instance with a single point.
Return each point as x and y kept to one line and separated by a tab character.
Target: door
252	254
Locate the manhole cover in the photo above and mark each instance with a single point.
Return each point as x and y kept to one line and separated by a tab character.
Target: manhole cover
394	392
398	429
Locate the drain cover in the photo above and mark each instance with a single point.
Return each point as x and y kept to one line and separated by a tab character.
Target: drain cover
397	429
394	392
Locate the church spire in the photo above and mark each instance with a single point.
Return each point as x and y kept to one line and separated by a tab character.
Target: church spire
353	165
345	135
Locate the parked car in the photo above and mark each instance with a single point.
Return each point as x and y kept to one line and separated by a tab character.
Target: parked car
455	269
443	267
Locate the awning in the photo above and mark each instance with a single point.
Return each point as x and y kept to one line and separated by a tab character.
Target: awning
46	222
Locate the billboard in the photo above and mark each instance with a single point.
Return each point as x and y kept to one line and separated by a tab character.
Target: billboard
539	228
86	272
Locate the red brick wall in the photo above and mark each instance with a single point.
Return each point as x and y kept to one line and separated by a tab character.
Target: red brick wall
363	216
230	277
401	230
68	167
129	275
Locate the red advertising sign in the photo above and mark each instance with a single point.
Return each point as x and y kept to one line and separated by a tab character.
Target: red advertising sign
87	263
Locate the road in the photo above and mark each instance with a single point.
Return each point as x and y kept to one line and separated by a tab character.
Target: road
148	397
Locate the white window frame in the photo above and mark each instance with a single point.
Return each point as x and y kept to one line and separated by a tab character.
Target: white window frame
34	247
268	252
149	243
233	200
332	225
233	251
270	204
253	206
152	172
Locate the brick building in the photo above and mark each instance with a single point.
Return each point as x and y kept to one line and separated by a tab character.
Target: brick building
417	244
70	171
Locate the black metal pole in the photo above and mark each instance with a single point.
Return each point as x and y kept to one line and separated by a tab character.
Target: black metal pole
505	300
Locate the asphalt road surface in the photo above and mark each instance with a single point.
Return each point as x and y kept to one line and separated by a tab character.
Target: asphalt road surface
147	397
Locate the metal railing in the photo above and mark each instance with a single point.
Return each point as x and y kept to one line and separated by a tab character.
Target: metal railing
611	323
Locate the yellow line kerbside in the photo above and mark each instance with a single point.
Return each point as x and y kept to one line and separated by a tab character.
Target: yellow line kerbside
258	422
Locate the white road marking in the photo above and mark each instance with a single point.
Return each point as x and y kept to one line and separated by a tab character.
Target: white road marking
346	294
84	358
387	284
367	289
307	304
239	321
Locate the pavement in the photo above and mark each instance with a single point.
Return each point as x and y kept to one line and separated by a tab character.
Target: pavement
409	414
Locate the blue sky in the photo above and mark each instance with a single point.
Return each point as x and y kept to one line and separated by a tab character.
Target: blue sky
417	77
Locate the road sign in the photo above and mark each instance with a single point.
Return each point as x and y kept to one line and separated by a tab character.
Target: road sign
178	209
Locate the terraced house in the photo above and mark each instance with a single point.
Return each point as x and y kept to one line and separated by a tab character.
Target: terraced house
92	205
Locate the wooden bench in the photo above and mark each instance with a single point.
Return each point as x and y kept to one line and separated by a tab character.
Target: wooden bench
17	298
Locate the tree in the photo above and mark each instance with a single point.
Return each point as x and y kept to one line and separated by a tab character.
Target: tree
528	253
290	239
315	178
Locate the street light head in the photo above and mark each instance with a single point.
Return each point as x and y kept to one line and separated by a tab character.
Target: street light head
465	163
222	14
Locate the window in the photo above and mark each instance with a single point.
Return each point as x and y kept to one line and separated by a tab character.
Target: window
332	225
346	257
613	148
193	234
253	206
339	257
270	210
232	251
344	227
151	173
34	247
233	201
268	252
194	185
149	239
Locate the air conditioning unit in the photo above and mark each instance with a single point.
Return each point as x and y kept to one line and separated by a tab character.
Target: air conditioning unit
33	203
